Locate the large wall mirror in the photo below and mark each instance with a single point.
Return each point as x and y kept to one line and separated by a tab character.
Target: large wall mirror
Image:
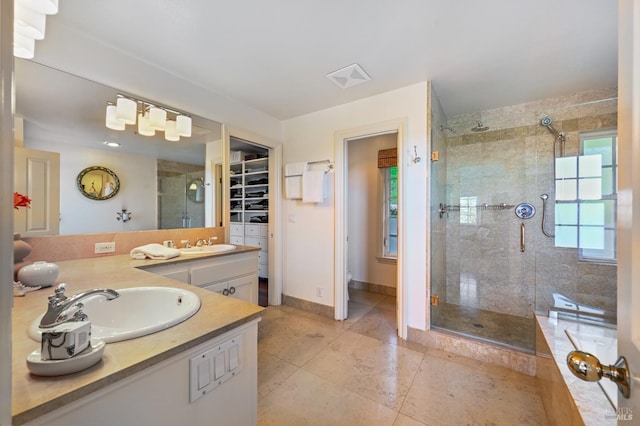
64	113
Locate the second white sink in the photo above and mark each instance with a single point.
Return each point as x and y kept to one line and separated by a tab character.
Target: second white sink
137	312
216	248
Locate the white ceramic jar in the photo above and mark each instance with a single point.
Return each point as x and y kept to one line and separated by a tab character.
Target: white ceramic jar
41	273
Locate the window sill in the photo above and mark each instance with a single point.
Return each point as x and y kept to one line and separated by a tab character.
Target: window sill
390	260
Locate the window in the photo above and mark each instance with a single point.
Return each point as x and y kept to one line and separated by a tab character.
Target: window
390	212
586	198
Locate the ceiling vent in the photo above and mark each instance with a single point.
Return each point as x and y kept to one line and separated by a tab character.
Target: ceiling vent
349	76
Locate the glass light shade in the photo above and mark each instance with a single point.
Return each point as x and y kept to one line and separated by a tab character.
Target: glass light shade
126	110
29	22
50	7
170	132
183	125
111	120
157	118
23	47
144	128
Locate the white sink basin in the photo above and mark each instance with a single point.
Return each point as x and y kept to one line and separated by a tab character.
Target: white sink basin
216	248
137	312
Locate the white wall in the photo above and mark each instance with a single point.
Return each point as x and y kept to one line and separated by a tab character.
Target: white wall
138	190
309	229
364	205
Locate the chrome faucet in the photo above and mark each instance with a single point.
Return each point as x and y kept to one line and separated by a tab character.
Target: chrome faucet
59	304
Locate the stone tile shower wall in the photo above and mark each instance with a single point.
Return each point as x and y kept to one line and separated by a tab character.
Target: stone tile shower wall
512	163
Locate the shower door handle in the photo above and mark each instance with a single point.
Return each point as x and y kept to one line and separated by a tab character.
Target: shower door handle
522	237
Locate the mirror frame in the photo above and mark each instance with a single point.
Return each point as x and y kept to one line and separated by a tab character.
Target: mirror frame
88	170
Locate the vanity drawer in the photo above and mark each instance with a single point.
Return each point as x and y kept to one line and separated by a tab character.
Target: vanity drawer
257	242
236	229
234	239
252	230
263	258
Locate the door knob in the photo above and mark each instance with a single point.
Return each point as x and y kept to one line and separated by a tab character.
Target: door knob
587	367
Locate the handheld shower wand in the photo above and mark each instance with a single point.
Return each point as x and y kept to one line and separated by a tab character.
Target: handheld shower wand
544	198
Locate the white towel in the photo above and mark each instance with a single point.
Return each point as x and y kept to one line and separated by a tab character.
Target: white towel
293	187
313	186
295	169
154	251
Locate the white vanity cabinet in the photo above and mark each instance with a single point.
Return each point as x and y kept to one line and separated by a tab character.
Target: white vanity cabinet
234	275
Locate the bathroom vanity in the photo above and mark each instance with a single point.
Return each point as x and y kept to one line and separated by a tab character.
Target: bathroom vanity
201	371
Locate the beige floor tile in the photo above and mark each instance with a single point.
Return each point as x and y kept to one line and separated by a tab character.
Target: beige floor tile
450	390
380	324
296	339
305	399
403	420
272	372
365	297
379	371
388	302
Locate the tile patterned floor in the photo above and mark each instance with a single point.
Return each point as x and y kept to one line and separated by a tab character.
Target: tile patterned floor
316	371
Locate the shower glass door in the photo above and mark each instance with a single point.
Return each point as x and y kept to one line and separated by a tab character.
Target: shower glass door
483	255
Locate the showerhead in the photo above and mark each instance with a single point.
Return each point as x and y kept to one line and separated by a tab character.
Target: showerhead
479	127
546	121
544	197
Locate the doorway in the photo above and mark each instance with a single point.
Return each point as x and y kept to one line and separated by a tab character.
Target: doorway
250	203
372	205
341	258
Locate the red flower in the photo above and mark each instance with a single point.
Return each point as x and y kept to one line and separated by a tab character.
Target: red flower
20	200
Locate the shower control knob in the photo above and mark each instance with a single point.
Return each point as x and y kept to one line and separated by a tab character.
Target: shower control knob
587	367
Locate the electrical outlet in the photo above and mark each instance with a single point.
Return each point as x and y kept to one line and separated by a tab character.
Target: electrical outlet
105	247
319	292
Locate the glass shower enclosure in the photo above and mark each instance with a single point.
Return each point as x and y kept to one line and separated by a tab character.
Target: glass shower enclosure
492	267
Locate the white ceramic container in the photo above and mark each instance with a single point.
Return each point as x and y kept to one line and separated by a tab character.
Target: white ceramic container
41	273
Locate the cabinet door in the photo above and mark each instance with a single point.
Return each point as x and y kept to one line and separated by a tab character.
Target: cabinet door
218	287
245	288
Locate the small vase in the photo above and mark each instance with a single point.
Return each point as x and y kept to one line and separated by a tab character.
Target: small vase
38	274
20	249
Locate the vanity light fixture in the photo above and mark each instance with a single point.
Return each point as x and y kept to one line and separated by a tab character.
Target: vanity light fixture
29	24
148	117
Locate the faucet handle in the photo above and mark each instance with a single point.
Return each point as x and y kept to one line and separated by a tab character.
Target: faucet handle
58	295
211	240
59	290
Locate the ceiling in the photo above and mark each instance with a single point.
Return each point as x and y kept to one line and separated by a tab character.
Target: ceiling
273	56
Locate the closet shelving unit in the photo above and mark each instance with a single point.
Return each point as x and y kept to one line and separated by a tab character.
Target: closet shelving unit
249	206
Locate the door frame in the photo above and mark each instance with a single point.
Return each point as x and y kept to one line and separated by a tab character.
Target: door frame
276	239
629	197
341	139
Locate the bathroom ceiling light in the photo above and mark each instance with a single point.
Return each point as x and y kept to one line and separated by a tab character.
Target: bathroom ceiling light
183	125
171	132
157	118
49	7
29	22
111	119
148	117
144	128
23	47
111	144
126	110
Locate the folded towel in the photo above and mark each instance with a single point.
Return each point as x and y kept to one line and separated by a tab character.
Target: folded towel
295	169
293	187
154	251
314	188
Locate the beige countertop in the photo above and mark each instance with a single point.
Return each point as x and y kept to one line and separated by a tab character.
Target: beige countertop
34	396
